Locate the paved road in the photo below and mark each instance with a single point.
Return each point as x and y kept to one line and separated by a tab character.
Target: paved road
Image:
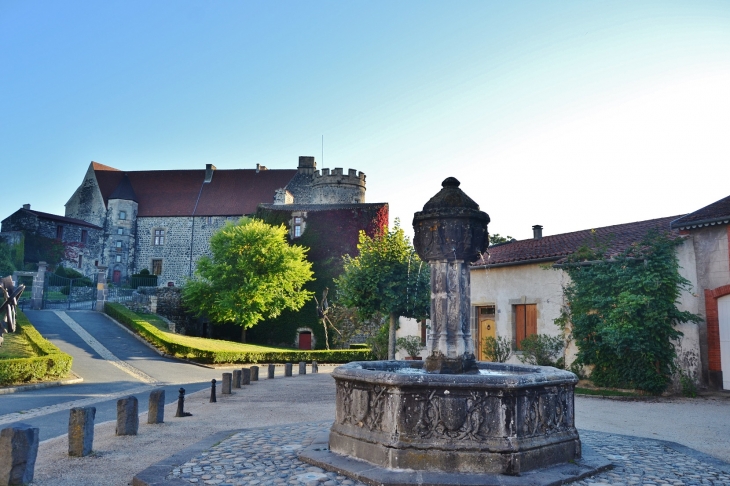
112	362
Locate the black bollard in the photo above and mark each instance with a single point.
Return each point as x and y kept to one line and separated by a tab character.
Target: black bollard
212	391
181	405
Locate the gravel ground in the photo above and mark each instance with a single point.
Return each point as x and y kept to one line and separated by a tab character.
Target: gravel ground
308	402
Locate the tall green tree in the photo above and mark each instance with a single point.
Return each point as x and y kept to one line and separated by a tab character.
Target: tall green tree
387	276
623	311
6	261
253	274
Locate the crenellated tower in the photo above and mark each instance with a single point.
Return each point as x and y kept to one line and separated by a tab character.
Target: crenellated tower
336	187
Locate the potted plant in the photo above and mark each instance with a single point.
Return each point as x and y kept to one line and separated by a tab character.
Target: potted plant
411	345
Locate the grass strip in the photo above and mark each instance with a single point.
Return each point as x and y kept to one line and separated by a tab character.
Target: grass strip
216	351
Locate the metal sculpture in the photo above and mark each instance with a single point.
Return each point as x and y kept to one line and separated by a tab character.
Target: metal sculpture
9	296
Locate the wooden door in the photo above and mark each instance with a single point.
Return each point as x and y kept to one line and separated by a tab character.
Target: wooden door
487	328
723	315
117	276
305	340
525	322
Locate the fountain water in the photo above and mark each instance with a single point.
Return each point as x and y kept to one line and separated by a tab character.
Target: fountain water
451	419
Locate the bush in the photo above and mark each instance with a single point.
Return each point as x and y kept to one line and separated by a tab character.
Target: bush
542	350
497	350
379	343
410	344
163	341
50	363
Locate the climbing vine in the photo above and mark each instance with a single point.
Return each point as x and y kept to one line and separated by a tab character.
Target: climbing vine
623	312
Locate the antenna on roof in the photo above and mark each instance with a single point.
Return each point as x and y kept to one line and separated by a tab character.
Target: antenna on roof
322	151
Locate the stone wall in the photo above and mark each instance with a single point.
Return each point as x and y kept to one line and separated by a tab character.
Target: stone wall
119	238
87	203
336	187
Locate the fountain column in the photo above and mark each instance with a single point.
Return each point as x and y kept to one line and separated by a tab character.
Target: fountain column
450	233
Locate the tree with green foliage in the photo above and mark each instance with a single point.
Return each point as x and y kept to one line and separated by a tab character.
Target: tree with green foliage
623	312
253	274
6	260
387	276
497	239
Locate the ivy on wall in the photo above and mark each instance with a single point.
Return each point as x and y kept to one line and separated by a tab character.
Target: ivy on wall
623	312
329	235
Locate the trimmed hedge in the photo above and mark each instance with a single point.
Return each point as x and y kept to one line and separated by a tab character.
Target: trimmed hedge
162	341
50	363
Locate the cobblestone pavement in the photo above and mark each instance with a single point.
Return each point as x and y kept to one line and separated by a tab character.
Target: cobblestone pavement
269	457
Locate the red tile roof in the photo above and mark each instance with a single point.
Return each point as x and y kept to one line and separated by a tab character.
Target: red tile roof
715	213
175	192
555	247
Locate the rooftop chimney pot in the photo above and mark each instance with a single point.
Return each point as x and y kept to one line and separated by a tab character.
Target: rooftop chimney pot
26	206
209	168
537	231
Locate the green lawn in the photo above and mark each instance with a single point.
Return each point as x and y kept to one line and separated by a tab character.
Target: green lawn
15	346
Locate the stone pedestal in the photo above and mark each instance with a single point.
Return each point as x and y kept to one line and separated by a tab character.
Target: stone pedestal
81	431
39	282
271	371
236	378
127	416
156	407
226	386
246	376
315	367
254	373
302	368
18	452
287	369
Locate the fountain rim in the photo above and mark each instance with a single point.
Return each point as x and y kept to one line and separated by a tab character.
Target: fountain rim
526	376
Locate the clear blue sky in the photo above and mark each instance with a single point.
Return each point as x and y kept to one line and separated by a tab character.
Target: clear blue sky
567	114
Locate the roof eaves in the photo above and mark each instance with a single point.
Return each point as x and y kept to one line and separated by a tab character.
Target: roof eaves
518	262
677	223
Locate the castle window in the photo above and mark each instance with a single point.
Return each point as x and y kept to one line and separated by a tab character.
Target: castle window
210	219
84	236
120	231
159	237
122	215
297	220
59	232
118	259
80	260
297	231
156	267
118	245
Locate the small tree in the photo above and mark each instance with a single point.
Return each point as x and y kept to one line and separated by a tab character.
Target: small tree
253	274
387	276
498	349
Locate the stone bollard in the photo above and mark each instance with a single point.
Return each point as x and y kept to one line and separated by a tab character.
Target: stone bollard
181	405
156	407
226	386
287	369
302	368
81	431
271	371
315	369
237	378
245	376
212	391
18	452
127	416
254	373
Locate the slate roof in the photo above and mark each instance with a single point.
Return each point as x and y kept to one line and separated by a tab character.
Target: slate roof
715	213
320	207
175	192
61	219
555	247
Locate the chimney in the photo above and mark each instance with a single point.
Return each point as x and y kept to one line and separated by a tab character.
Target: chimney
307	164
260	167
209	168
26	206
537	231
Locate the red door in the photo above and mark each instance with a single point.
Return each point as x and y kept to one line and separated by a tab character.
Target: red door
117	276
305	340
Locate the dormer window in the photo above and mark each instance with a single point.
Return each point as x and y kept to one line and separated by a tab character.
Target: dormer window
122	215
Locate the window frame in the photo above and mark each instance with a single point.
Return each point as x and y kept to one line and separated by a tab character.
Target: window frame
156	266
158	237
123	215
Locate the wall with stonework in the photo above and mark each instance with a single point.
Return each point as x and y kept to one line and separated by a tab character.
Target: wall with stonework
87	203
120	259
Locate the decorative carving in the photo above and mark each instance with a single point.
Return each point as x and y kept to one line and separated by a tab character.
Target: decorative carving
547	413
361	407
455	417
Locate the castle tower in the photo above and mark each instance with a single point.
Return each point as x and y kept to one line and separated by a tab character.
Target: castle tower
335	187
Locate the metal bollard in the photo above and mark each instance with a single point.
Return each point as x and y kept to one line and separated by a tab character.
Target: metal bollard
212	391
287	369
181	405
271	371
302	368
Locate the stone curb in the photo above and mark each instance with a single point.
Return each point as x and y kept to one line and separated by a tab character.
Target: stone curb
37	386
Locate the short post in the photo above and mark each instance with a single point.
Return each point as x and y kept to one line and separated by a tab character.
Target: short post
271	371
226	387
156	407
18	452
254	373
245	376
302	367
315	368
101	287
212	391
236	378
39	281
287	369
127	416
181	405
81	431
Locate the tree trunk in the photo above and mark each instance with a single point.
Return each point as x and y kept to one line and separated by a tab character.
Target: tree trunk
243	334
391	335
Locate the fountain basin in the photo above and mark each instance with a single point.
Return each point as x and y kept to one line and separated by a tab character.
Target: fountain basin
505	419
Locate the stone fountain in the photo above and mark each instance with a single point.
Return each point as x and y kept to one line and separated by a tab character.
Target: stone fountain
451	419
